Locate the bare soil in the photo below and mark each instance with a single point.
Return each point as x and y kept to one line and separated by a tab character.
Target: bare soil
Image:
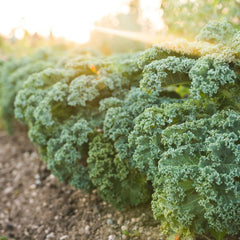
35	205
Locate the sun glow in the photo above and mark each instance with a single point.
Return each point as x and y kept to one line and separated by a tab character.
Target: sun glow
71	19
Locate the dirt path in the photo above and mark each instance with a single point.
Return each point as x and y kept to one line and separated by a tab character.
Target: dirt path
34	205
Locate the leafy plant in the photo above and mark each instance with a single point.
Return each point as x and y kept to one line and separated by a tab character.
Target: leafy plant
164	121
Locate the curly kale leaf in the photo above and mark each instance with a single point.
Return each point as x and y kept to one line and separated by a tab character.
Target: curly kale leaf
197	185
209	75
66	154
117	183
145	139
13	76
54	98
155	53
119	120
166	72
217	32
38	91
59	129
82	89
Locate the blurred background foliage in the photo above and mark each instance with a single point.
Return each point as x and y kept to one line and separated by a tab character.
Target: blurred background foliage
187	17
109	43
181	18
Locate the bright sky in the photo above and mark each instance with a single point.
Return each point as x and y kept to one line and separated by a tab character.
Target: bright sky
72	19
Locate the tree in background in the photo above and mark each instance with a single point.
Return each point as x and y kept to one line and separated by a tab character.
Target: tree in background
109	43
187	17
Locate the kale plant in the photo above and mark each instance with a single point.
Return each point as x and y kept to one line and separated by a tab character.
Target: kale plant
161	124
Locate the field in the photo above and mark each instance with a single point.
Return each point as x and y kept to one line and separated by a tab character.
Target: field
114	145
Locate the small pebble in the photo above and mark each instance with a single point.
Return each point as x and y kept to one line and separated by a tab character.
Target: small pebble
138	219
8	190
34	194
148	233
25	155
111	237
50	236
34	156
109	221
51	176
37	182
37	176
120	220
135	228
81	231
64	237
87	230
133	220
33	186
94	191
124	228
140	230
26	232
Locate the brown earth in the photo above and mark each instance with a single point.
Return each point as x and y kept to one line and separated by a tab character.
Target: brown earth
35	205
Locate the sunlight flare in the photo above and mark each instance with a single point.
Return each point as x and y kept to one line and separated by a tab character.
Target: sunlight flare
72	19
